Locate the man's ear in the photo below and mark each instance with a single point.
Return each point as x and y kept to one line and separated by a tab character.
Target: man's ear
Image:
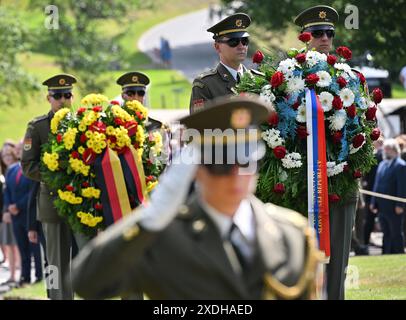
216	47
48	98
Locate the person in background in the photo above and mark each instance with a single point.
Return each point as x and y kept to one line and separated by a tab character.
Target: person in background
402	77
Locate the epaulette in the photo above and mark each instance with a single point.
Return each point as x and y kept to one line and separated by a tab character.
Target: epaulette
210	72
39	118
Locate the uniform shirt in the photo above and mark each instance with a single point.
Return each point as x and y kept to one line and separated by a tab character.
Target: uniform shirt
233	71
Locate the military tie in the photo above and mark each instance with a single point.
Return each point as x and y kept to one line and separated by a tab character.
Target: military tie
238	77
233	236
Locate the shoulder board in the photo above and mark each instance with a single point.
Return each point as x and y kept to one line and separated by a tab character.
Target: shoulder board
40	118
205	74
153	124
287	216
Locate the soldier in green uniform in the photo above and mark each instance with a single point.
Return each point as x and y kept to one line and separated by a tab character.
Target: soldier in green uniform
231	43
57	233
218	243
134	86
320	21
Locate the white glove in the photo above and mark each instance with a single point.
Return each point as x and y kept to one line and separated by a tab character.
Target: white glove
171	191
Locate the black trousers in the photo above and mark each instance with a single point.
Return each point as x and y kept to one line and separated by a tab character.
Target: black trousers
392	228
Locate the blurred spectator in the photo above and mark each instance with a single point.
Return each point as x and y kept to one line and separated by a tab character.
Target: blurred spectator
166	53
402	77
390	177
16	196
368	184
8	239
356	245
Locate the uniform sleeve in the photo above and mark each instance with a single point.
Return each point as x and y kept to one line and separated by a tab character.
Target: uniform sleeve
200	94
32	208
30	160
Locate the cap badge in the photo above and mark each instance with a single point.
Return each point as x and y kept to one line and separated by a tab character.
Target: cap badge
135	79
240	118
238	22
322	14
62	81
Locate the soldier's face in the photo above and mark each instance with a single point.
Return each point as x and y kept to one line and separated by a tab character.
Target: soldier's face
231	55
225	190
58	100
132	96
322	44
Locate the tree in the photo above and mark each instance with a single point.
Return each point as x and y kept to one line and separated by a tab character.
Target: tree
15	84
79	47
381	25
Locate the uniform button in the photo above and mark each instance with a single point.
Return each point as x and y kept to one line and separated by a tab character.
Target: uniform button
183	209
199	225
131	232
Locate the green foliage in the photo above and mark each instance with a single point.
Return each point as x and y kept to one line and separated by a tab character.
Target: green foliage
15	83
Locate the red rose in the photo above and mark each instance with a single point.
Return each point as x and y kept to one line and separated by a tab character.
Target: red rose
333	197
296	105
139	115
341	82
312	79
98	126
371	113
375	134
59	138
83	138
277	79
358	140
150	178
118	121
69	187
279	188
352	111
115	102
85	184
149	162
112	139
305	37
279	152
301	132
75	155
98	206
97	109
89	156
301	57
331	59
257	57
344	52
337	103
273	119
357	174
361	77
136	146
131	127
337	136
81	110
377	95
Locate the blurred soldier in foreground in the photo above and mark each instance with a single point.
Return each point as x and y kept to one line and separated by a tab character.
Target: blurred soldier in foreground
218	243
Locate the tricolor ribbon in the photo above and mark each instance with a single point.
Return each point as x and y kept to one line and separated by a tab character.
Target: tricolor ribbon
318	209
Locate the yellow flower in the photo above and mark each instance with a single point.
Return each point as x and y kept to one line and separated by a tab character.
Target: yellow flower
69	138
88	219
51	161
79	166
94	99
135	105
110	130
69	197
91	193
157	147
81	150
82	127
58	116
151	186
140	136
120	113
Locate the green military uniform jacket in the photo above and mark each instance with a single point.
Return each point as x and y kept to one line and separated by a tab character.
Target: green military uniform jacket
187	259
35	136
212	84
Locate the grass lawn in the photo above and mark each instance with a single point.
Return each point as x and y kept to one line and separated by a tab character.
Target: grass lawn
398	92
380	278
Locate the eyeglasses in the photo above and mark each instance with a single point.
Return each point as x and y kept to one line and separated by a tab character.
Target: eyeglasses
233	42
319	33
58	96
132	93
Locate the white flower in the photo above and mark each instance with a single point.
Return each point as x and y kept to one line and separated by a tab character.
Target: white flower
272	138
326	100
324	79
266	94
346	68
301	113
314	57
295	85
347	96
283	176
337	121
363	104
334	169
292	160
287	66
